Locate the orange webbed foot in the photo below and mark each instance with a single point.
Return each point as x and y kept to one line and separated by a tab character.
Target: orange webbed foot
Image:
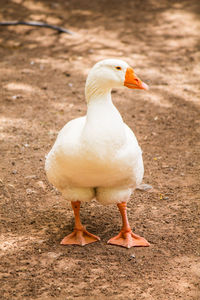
128	239
79	237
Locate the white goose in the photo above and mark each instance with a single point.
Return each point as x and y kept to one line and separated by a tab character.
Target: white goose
98	156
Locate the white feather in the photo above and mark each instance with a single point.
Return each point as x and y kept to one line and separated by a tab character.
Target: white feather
97	152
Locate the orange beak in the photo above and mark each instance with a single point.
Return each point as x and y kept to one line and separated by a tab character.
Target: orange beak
133	82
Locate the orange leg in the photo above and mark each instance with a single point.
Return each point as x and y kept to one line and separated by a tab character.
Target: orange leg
126	238
80	236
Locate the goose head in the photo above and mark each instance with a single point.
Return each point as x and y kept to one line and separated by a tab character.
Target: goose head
108	74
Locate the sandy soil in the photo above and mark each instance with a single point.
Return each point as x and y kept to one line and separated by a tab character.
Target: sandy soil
42	87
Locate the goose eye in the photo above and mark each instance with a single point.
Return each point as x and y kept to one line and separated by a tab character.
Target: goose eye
118	68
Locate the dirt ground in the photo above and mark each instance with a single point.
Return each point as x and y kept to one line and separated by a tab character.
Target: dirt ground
42	87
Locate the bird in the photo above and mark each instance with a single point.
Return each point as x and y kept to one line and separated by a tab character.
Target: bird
97	156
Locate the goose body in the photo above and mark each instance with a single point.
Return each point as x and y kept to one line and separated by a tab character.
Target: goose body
98	156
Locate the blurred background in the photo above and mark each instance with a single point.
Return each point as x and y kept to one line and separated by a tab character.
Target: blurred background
42	75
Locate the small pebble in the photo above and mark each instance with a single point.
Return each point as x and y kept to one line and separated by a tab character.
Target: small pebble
144	187
31	177
132	256
16	97
41	184
10	186
30	191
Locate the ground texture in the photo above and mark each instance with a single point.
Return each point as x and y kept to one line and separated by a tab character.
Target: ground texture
42	87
